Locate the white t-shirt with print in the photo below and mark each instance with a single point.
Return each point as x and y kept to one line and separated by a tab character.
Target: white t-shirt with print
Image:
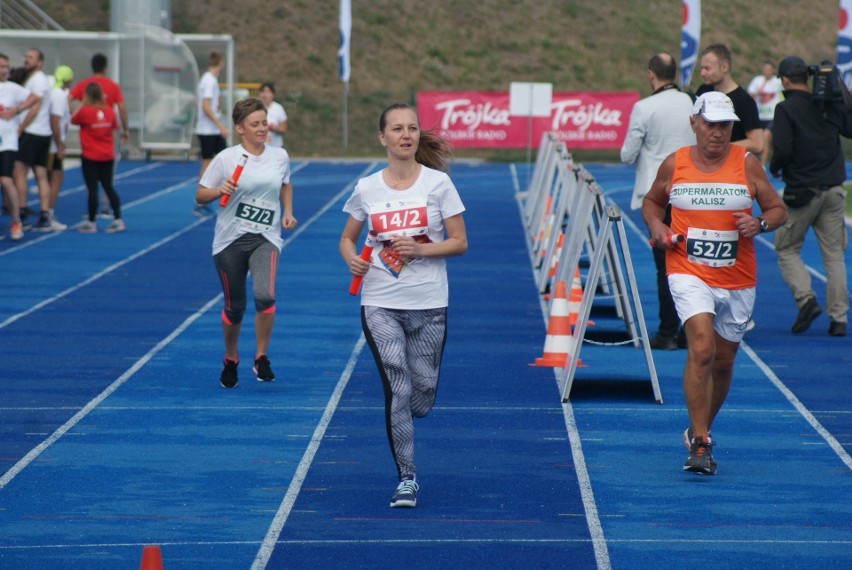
11	95
422	282
255	206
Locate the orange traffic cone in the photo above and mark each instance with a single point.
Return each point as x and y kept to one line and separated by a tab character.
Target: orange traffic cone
554	264
559	343
574	300
152	558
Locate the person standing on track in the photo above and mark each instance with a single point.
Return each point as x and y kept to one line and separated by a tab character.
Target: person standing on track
247	237
659	125
808	154
711	187
414	207
60	118
14	98
34	141
277	116
97	124
113	97
212	133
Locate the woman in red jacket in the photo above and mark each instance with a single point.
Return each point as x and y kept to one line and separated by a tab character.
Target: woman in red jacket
97	124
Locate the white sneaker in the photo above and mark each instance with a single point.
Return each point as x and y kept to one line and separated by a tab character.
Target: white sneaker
115	227
87	228
57	225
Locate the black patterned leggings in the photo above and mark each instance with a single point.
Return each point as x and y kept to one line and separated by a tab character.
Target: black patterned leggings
407	347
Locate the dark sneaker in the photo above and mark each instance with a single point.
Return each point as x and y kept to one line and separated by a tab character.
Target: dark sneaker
835	328
262	369
809	311
228	379
663	342
406	494
700	458
43	225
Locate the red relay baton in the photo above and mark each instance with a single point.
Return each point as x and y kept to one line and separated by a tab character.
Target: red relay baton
673	238
366	252
223	201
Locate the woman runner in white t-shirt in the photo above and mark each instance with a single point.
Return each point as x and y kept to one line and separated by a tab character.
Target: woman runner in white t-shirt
417	212
248	231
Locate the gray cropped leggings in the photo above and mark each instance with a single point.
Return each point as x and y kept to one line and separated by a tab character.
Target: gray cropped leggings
249	252
407	347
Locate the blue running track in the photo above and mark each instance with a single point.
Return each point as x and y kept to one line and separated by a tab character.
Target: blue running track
115	433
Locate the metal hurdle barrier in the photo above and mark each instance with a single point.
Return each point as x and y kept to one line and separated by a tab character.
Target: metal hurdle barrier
611	237
531	194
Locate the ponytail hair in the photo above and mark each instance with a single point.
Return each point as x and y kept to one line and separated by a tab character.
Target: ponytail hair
433	151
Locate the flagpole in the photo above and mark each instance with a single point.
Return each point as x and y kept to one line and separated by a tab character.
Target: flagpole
345	115
343	63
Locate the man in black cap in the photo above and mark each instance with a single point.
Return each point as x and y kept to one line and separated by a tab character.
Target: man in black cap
808	155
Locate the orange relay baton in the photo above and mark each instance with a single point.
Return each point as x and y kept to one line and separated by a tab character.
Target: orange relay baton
366	252
223	201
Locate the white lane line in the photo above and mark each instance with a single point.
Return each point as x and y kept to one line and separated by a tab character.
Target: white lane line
75	419
593	520
800	407
39	449
271	539
109	269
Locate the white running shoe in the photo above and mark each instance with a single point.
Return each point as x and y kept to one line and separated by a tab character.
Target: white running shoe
115	227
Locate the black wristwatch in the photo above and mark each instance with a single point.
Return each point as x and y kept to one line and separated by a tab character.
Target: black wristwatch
764	227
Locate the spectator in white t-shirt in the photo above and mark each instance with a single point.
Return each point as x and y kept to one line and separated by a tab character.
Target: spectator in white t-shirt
60	118
766	90
212	133
14	98
35	136
276	116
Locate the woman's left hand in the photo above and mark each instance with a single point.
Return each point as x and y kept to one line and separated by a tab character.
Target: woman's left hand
405	246
288	222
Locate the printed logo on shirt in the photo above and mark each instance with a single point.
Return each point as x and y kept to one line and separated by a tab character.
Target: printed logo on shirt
710	196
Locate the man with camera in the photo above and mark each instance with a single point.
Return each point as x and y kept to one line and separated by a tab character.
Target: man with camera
808	155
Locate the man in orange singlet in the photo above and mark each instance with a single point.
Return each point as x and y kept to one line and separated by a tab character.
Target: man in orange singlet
712	274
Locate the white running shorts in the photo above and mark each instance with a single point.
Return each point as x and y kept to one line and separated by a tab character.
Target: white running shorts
732	307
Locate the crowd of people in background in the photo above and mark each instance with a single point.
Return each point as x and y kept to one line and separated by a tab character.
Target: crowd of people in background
35	113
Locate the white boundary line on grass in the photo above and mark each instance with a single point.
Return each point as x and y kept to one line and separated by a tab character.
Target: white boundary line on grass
593	520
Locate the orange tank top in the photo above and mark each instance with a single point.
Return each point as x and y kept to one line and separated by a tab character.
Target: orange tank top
702	207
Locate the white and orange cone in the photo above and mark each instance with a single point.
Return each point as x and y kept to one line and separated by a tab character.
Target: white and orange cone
574	300
559	344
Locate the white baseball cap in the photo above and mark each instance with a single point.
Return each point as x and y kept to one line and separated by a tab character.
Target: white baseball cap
715	107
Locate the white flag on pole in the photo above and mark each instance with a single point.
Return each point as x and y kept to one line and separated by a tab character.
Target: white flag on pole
690	36
345	35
